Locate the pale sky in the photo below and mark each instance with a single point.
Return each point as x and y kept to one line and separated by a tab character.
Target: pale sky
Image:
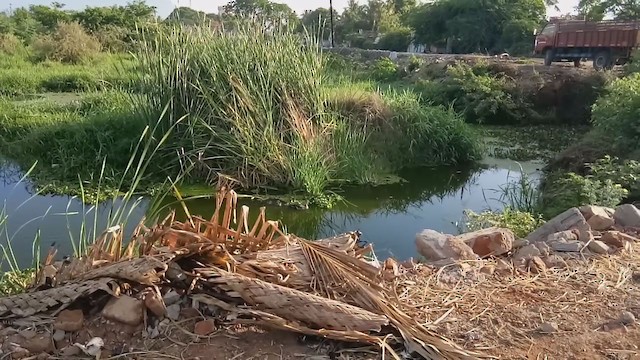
165	6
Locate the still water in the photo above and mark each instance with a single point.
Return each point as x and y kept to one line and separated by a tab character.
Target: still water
388	216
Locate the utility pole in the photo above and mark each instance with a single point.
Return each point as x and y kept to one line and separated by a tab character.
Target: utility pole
333	44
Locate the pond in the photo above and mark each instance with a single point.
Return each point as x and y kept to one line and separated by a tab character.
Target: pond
388	216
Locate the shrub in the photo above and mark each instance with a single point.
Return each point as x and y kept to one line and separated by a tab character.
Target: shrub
10	44
520	222
114	38
385	70
69	44
562	192
616	113
396	40
415	63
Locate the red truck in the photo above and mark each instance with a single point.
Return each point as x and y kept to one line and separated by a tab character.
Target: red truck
607	43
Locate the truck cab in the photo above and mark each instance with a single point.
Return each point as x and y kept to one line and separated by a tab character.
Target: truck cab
545	38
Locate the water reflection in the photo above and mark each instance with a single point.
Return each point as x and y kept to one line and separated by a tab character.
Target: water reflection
388	216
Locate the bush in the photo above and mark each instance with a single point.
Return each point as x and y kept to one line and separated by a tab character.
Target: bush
616	113
385	70
520	222
114	38
69	44
415	63
395	40
562	192
10	44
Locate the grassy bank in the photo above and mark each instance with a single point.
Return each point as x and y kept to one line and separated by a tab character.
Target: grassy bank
259	108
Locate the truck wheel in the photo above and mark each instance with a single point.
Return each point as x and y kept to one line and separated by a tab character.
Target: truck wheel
601	61
548	57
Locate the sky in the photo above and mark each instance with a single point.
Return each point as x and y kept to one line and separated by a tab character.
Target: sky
165	6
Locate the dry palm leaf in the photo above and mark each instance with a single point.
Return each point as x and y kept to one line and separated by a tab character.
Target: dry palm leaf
358	281
297	306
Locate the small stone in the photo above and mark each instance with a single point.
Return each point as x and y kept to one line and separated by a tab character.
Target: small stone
20	353
627	215
569	219
39	344
489	242
563	236
519	243
70	351
28	334
59	335
599	247
574	246
544	248
435	246
171	297
526	252
627	318
155	304
536	265
205	327
173	312
43	356
555	262
617	239
488	269
548	328
190	313
153	333
69	320
124	309
600	222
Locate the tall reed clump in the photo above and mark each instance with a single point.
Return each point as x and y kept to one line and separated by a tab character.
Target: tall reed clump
253	102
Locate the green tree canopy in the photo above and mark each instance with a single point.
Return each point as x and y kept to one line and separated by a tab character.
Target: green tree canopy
619	9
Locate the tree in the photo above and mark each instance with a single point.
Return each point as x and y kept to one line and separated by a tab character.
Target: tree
186	16
25	26
478	25
619	9
49	17
318	21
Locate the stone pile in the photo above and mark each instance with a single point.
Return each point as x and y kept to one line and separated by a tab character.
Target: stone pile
574	234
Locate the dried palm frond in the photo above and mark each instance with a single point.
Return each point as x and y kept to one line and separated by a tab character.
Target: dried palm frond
313	311
358	283
52	300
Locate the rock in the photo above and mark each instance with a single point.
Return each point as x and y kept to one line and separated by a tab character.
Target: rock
20	353
526	252
488	269
627	215
518	243
565	221
435	246
574	246
59	335
190	313
171	297
599	247
601	221
173	312
544	248
39	344
548	328
563	236
617	239
503	266
554	262
627	318
491	241
28	334
70	351
536	265
69	320
204	328
155	304
589	211
124	309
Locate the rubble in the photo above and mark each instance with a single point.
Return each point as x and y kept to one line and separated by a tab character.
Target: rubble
435	246
69	320
548	328
598	247
125	310
204	327
627	318
627	215
491	241
568	220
